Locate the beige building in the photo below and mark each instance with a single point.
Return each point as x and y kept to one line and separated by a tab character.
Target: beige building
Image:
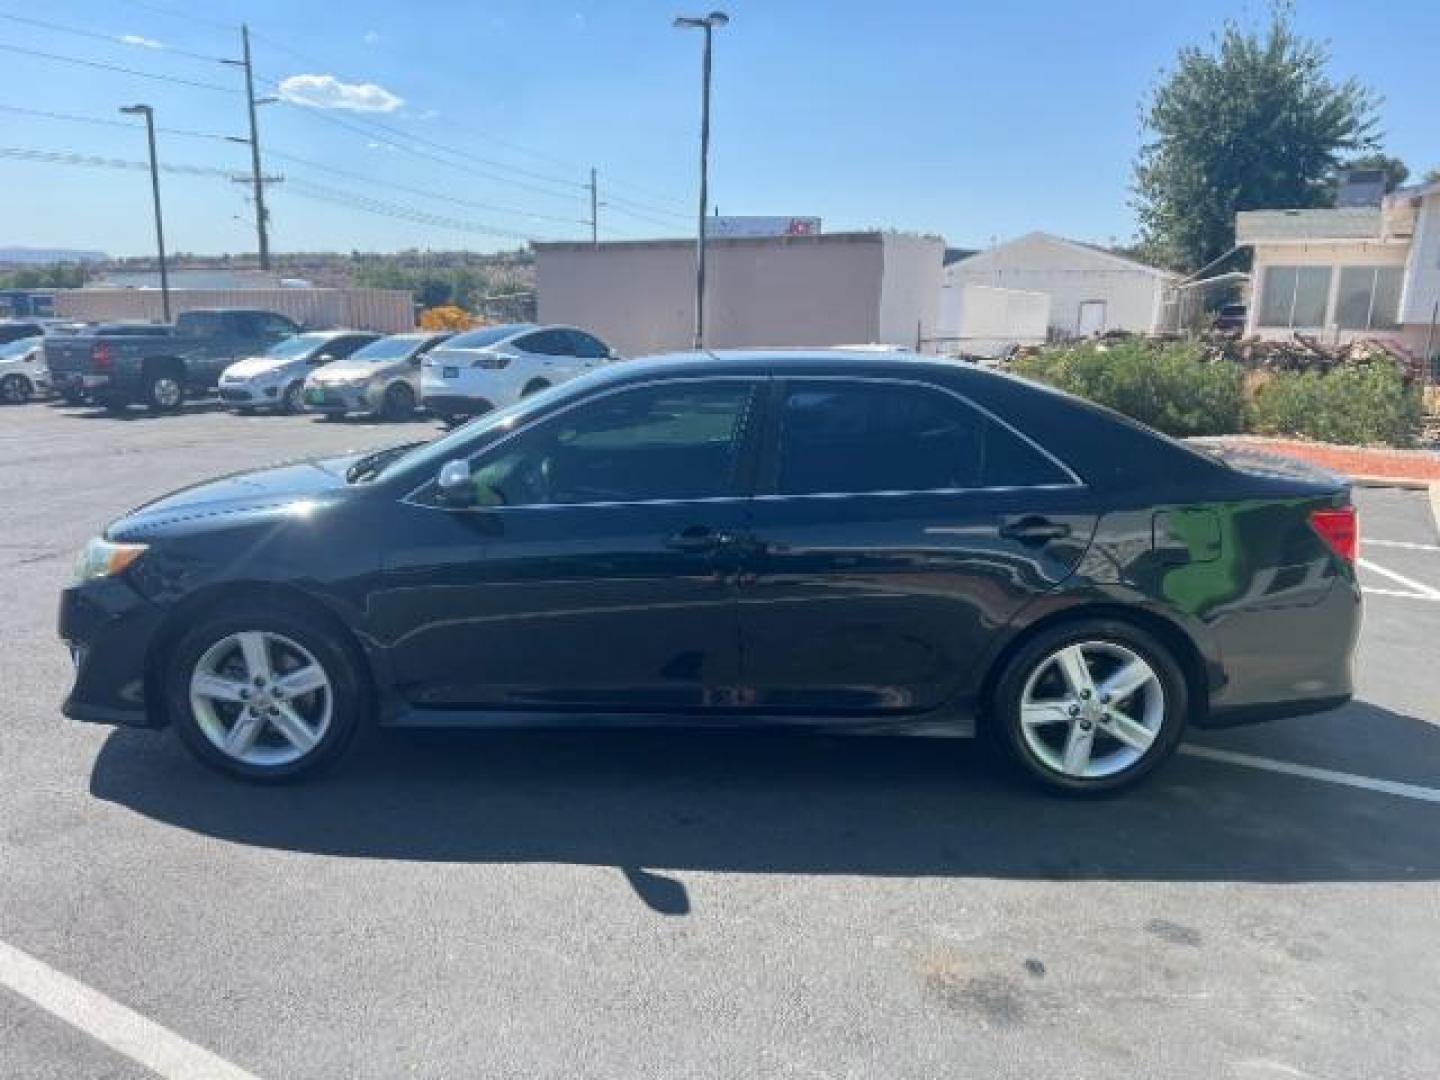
832	289
1349	272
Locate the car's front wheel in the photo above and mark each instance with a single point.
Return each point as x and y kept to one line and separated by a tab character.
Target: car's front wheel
293	399
164	391
1091	706
15	389
265	693
399	402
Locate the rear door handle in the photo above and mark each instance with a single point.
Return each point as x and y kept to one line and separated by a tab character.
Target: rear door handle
1034	530
697	538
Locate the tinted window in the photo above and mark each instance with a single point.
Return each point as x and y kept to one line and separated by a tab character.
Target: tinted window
486	335
16	331
672	442
869	437
591	348
276	325
397	347
298	346
546	343
245	324
342	347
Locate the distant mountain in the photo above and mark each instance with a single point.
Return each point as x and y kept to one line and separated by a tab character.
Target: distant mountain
20	255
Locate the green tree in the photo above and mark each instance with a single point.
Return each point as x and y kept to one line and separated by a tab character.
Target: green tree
1254	123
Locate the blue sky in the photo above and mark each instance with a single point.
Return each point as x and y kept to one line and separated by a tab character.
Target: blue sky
971	120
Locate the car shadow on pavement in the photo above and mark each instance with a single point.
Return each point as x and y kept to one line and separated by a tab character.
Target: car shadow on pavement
783	803
86	411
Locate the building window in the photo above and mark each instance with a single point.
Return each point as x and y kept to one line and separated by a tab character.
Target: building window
1295	296
1369	298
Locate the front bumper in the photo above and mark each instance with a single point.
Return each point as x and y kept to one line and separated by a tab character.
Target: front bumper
249	395
339	399
109	629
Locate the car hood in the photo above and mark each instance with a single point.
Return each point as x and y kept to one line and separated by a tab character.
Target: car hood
254	366
298	488
349	371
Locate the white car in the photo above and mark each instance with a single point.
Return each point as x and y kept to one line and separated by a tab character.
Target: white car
495	366
23	374
276	379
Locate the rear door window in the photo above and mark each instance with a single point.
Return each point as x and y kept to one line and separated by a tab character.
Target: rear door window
853	437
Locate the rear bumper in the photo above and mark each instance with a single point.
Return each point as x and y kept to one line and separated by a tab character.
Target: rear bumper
1287	660
109	629
456	405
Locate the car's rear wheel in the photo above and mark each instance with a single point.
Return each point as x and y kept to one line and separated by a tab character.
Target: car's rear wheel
265	693
1090	706
15	389
399	402
292	401
164	391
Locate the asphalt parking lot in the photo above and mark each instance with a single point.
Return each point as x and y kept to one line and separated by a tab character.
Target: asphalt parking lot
547	905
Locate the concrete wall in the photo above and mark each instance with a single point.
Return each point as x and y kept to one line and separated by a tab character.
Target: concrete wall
840	288
910	290
977	320
1070	274
1422	272
385	310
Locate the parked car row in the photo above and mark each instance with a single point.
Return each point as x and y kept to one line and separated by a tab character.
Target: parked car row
261	361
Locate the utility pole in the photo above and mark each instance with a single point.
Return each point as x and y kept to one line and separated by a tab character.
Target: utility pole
257	178
594	212
708	24
149	114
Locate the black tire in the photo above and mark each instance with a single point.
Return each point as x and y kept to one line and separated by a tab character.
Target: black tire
164	390
245	410
336	654
399	402
15	390
1004	715
72	396
292	400
534	386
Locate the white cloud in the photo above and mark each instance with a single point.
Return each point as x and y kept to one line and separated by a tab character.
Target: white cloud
328	92
391	147
141	42
371	37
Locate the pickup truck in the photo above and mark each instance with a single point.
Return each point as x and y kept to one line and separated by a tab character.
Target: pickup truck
158	365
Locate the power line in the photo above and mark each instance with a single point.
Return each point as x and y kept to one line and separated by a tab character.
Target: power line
116	67
421	192
67	157
340	197
161	9
100	121
96	35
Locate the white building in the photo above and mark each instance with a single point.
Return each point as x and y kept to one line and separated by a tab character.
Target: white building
978	320
1090	290
1346	273
826	289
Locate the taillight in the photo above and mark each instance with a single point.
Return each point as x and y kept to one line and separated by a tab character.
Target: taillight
491	361
100	354
1339	529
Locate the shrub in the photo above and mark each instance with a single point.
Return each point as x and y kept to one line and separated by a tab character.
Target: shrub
1368	403
447	317
1174	387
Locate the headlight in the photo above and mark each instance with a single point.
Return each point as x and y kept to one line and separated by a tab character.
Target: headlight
102	558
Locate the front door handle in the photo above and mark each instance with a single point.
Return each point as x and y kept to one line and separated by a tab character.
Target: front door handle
1034	530
697	538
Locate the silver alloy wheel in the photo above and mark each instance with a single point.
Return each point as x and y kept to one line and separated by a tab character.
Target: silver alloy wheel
165	391
291	402
15	389
1092	709
261	698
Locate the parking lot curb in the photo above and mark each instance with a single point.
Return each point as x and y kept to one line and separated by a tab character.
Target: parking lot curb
1408	483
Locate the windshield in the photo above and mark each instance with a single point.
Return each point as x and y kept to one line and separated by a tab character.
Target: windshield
428	457
298	345
19	347
390	348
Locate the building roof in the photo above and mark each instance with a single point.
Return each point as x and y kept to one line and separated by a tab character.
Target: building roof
872	236
1077	245
1329	223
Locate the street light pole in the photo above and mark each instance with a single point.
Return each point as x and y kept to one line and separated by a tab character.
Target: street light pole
149	114
708	24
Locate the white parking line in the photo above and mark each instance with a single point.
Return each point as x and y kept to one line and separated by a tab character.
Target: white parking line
1406	544
123	1030
1401	593
1417	587
1309	772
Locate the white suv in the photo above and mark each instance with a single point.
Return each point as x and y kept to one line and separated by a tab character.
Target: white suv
494	366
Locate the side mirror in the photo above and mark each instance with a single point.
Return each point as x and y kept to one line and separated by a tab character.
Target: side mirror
455	485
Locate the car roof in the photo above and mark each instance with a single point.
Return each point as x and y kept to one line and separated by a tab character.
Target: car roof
780	361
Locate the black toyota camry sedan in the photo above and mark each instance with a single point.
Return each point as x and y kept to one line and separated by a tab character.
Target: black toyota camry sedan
839	541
